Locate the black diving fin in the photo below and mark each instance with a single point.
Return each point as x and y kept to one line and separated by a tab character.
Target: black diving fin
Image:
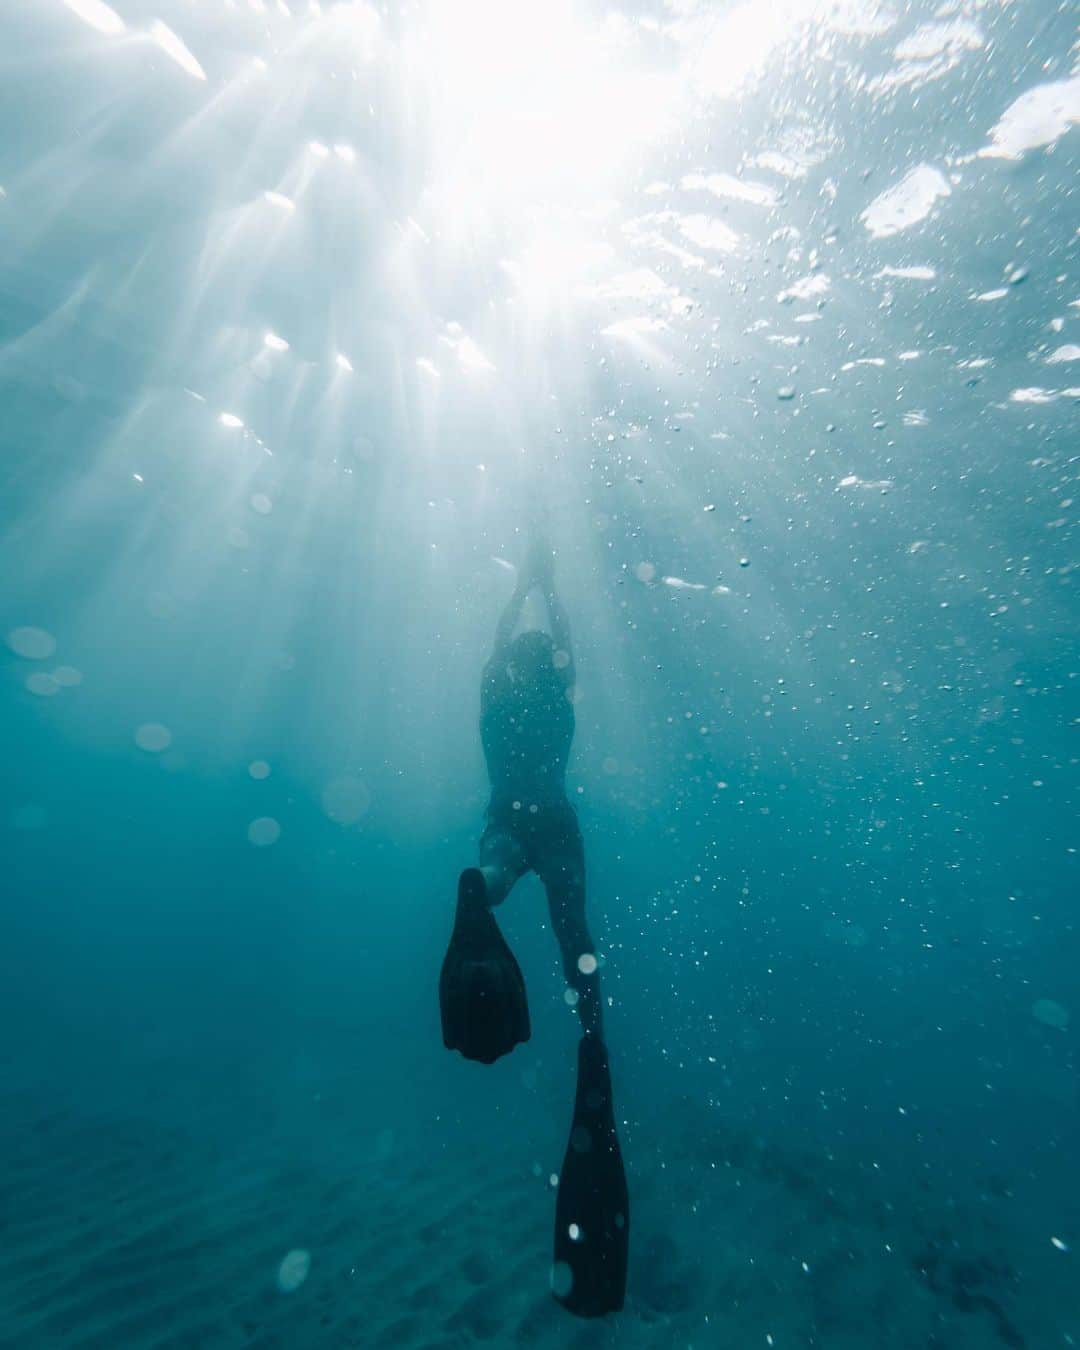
485	1011
592	1207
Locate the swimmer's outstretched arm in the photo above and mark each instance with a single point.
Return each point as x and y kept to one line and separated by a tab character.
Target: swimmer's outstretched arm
508	621
541	567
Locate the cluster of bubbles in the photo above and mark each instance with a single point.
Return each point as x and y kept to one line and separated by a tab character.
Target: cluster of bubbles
345	799
35	644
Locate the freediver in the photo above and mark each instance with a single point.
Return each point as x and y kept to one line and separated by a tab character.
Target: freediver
526	727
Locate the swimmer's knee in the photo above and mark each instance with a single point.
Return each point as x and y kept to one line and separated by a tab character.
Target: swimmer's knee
498	883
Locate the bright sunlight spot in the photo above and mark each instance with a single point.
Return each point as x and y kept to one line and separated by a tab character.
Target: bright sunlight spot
533	102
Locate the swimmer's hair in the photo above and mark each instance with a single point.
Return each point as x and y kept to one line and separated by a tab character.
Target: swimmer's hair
534	643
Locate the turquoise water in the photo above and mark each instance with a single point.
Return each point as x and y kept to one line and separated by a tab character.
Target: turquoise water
768	316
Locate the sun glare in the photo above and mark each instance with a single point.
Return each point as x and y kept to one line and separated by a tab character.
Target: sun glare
532	102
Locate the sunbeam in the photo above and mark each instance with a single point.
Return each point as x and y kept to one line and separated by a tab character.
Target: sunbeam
732	345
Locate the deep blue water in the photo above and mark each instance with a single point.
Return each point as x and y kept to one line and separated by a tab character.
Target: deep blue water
769	318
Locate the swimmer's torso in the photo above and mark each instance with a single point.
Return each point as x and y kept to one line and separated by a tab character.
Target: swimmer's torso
526	732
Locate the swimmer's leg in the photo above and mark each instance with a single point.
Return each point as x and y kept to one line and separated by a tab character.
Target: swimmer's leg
562	870
502	862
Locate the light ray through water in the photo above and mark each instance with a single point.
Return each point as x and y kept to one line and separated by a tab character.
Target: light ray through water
767	314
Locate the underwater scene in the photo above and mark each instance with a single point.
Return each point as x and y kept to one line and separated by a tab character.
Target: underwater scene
539	674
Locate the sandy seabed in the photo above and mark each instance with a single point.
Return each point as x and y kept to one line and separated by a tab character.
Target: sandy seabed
162	1219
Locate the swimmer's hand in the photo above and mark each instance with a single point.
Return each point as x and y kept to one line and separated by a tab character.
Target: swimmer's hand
539	568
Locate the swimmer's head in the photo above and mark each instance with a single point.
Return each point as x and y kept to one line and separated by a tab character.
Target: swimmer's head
532	657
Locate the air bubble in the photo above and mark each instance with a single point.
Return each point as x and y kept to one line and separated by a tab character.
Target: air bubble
293	1270
1050	1014
43	685
562	1279
32	644
263	832
153	737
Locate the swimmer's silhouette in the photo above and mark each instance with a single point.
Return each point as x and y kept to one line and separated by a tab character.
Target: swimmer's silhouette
527	725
